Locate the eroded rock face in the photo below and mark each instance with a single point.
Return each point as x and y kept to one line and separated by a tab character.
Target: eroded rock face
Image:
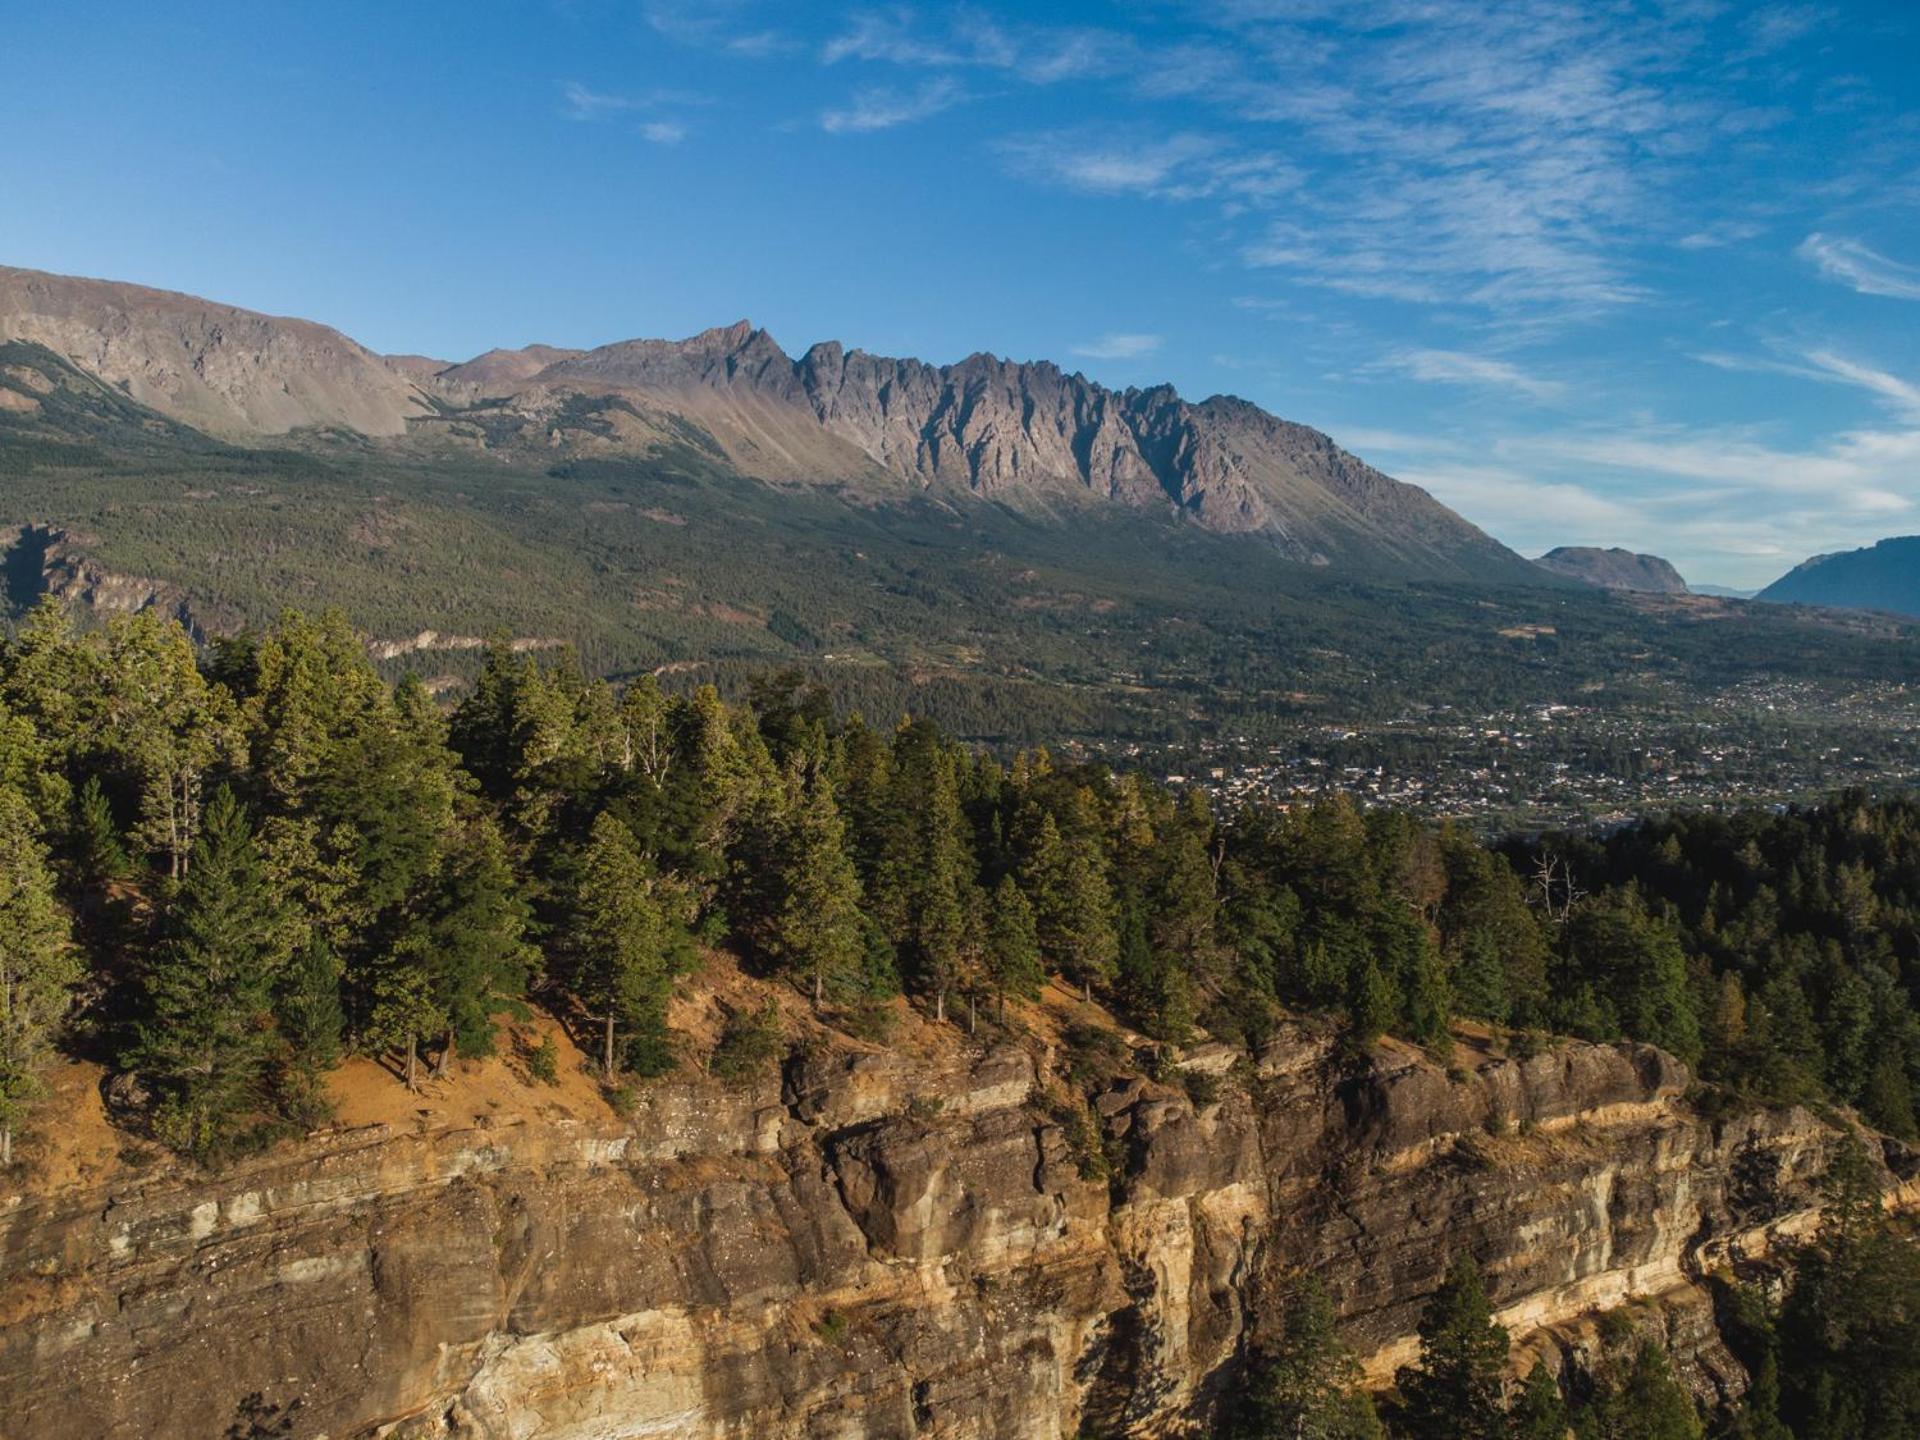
873	1248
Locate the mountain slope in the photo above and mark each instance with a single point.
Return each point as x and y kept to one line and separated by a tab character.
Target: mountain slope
1026	435
1614	569
228	371
1885	576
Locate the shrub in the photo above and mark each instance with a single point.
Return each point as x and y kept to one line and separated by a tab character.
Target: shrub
749	1044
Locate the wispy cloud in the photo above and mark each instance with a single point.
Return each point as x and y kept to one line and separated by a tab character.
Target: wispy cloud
583	103
896	39
722	25
1108	166
1508	158
1851	263
1450	367
1040	55
1902	395
1828	367
883	107
1719	235
1118	347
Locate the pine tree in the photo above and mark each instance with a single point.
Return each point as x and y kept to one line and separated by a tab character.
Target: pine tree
1013	944
1372	1004
471	940
817	932
1308	1386
207	1035
1649	1404
1454	1393
99	850
312	1024
625	943
1539	1413
1850	1326
1072	903
167	726
38	965
1638	957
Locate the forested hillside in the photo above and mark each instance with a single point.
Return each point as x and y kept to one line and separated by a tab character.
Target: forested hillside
222	877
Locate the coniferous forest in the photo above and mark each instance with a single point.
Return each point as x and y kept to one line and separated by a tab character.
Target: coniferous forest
221	872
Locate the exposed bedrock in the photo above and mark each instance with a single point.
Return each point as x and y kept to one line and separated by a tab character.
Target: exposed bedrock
877	1247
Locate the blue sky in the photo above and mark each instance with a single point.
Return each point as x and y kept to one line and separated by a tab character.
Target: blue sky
1592	271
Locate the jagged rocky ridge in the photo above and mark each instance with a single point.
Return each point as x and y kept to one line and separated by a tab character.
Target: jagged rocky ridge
1027	434
882	1246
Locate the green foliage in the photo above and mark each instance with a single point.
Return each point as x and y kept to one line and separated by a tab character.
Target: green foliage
1013	942
206	1038
1539	1412
815	929
543	1062
1065	881
312	1023
749	1044
1647	1403
626	938
469	942
100	851
38	965
1307	1387
1454	1393
1850	1328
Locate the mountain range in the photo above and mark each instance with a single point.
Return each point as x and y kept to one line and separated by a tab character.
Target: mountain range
1008	549
1025	434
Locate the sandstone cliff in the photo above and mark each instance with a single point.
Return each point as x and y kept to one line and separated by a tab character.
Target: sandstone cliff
896	1243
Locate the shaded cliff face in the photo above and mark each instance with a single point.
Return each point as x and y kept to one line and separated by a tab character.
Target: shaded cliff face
876	1245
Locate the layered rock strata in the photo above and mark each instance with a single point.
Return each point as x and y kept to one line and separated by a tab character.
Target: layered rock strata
872	1246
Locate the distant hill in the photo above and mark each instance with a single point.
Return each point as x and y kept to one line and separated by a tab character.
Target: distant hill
1723	592
1029	436
1614	569
1880	577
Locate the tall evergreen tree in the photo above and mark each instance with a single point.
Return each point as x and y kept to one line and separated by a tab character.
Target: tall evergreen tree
1648	1403
1066	884
312	1025
38	966
207	1036
1539	1413
1454	1393
817	933
1308	1386
167	726
471	940
99	850
1013	944
625	939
